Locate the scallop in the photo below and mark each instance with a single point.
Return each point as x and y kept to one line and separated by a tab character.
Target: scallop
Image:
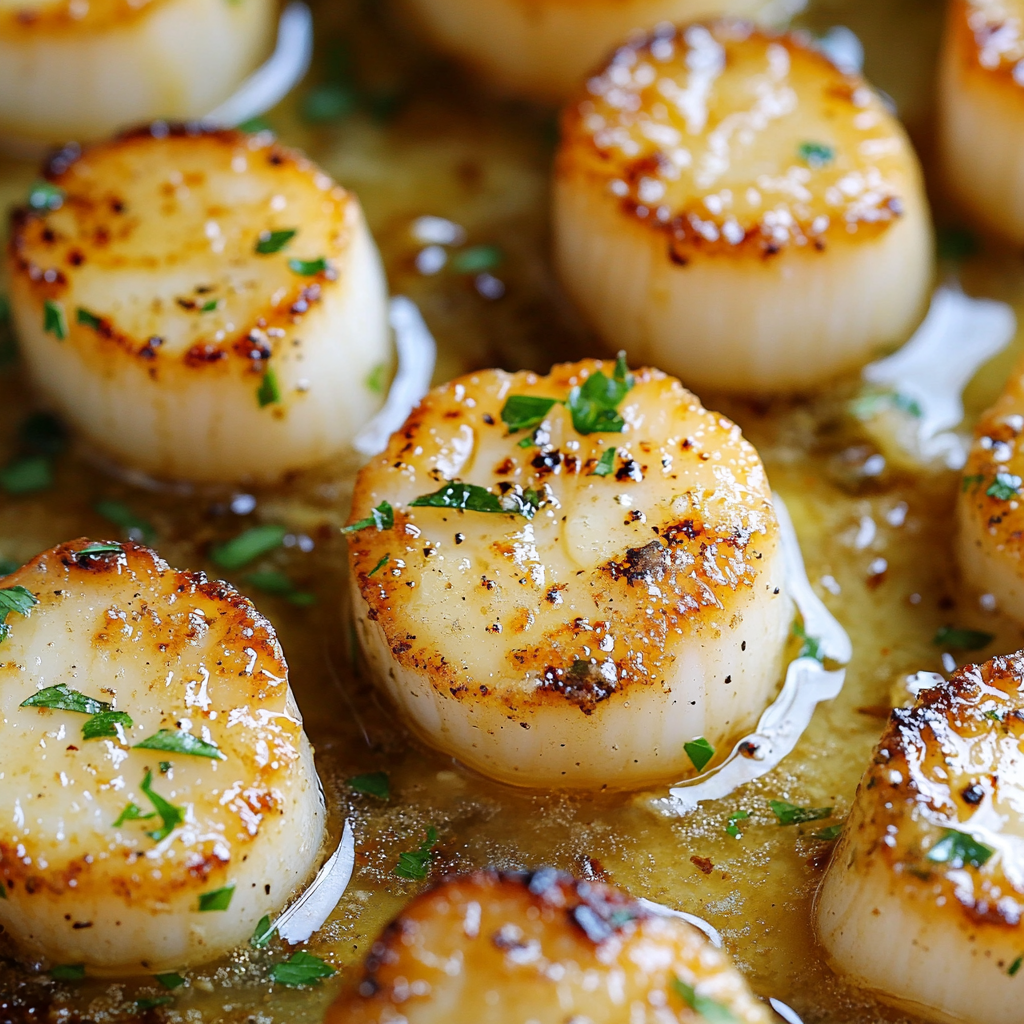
493	947
158	792
922	900
82	70
543	49
570	580
732	207
981	112
990	538
200	305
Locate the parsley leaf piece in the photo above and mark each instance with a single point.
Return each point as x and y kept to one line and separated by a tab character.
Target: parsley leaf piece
68	972
1015	966
98	548
7	566
523	412
810	646
141	1005
255	125
209	305
709	1009
87	319
277	583
170	815
373	784
269	391
23	476
132	812
380	565
605	464
247	546
300	969
790	814
816	154
456	494
170	980
829	833
699	751
415	864
383	517
594	403
16	599
270	242
119	514
376	378
264	930
962	639
219	899
105	724
62	698
972	482
307	268
1004	487
180	743
44	196
476	259
54	320
957	849
732	828
3	891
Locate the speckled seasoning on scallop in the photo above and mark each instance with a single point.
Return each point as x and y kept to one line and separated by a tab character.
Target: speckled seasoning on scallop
731	207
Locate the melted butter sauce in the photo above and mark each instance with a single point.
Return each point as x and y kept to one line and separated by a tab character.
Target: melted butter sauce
876	542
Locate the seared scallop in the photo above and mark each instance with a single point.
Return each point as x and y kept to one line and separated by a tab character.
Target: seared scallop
568	580
74	70
981	123
543	49
923	898
496	947
158	791
735	209
200	305
989	512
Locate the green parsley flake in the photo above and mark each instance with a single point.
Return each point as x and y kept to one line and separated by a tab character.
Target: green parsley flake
300	969
219	899
810	647
524	412
255	125
23	476
54	320
415	865
87	319
699	751
957	849
829	833
45	196
962	639
471	498
308	268
605	464
477	259
132	812
732	828
68	972
141	1005
594	403
248	546
97	549
119	514
790	814
383	517
269	391
1015	966
709	1009
380	565
62	698
264	931
105	724
816	154
971	483
180	743
1004	487
170	815
372	784
209	306
274	241
376	378
170	980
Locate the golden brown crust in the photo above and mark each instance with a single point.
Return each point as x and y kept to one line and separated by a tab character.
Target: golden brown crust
987	40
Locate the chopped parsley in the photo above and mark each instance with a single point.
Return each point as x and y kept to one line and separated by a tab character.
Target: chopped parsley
816	154
300	969
23	476
471	498
44	196
278	583
709	1009
869	404
248	546
476	259
87	319
1015	966
68	972
170	816
62	698
170	980
972	482
255	125
732	828
829	833
219	899
132	812
699	751
810	647
383	517
180	743
96	549
116	512
957	849
264	930
307	268
376	378
605	464
269	391
105	724
209	306
373	784
270	242
142	1005
790	814
962	639
1004	487
524	412
594	403
54	320
380	565
415	865
17	599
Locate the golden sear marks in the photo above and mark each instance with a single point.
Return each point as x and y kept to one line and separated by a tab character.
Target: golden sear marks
733	141
953	761
175	213
990	35
595	594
